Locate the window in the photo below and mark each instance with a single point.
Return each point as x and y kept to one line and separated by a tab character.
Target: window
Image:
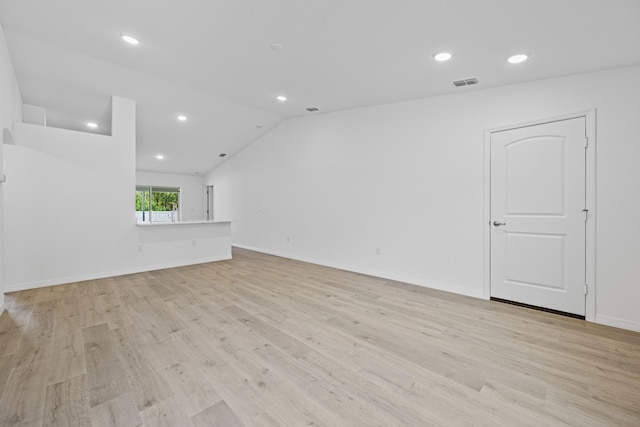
157	204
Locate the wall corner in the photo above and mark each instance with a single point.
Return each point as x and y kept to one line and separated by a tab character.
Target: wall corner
123	119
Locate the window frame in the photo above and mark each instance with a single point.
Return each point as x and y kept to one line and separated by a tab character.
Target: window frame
150	189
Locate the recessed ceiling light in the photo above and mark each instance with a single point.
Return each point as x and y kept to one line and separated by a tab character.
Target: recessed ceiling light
516	59
159	156
130	40
281	98
92	125
442	56
182	118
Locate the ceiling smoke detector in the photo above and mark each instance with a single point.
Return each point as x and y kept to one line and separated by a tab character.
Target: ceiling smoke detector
465	82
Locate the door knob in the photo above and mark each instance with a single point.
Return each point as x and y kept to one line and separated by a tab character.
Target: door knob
498	224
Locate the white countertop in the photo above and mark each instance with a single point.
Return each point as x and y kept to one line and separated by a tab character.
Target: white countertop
164	224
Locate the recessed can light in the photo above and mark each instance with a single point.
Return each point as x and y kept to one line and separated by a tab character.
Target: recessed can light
442	56
92	125
130	40
159	156
281	98
518	58
182	118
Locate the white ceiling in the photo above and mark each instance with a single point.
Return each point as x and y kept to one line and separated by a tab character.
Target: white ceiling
211	59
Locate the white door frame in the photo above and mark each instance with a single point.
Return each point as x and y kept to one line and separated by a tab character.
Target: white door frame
590	118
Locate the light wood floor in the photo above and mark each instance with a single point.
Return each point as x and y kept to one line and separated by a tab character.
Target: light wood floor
264	341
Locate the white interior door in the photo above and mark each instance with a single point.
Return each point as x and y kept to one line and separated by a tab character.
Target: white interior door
209	205
537	215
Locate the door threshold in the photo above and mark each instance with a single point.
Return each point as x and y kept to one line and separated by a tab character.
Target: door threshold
534	307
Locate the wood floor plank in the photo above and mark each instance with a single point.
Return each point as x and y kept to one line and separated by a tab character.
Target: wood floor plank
218	415
274	335
36	335
10	334
190	381
66	404
67	313
117	412
168	413
66	355
22	402
6	364
148	385
91	308
105	374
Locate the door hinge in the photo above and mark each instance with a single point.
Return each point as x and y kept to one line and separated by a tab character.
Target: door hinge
586	142
586	214
586	289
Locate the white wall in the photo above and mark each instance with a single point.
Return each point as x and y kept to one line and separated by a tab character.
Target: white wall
191	191
10	112
87	184
79	179
408	178
11	100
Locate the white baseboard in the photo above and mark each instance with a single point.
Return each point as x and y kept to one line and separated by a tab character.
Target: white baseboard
102	275
371	272
618	323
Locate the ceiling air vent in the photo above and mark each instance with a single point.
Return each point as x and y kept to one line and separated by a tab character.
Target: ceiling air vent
312	109
465	82
222	154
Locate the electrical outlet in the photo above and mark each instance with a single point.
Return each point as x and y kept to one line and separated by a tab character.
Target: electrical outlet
377	250
139	248
288	239
193	243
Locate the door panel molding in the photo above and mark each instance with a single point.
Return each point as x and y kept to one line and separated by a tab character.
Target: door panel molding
590	120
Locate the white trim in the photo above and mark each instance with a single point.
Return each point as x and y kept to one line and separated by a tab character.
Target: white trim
590	123
618	323
94	276
486	217
590	312
189	222
369	272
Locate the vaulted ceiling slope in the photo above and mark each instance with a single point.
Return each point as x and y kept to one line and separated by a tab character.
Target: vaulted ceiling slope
217	62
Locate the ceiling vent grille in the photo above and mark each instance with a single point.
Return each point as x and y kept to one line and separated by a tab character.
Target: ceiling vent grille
465	82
